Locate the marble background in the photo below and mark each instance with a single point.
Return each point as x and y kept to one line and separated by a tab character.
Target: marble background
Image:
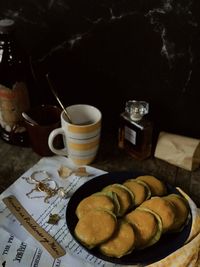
142	49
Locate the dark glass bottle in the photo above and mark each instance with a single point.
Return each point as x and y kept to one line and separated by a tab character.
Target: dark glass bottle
135	131
14	98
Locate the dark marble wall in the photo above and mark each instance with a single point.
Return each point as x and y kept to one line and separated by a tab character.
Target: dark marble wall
143	49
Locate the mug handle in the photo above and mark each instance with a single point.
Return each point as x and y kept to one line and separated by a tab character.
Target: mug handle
52	135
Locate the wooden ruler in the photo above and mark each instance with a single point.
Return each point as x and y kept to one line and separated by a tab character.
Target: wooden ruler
46	240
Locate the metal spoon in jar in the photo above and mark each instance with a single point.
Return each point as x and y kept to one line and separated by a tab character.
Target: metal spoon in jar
28	118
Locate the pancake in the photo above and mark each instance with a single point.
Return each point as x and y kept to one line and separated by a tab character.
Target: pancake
125	196
147	226
122	242
157	187
95	227
140	190
165	209
97	200
182	210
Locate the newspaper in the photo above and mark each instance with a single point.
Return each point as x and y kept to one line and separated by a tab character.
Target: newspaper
17	246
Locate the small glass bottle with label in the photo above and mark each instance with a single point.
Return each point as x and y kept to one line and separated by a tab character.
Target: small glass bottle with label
135	131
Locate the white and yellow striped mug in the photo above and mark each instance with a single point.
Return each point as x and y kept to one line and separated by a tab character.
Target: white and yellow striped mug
81	138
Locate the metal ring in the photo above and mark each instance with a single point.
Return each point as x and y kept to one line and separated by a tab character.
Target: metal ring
48	176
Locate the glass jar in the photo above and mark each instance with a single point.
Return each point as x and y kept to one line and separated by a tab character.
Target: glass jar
14	97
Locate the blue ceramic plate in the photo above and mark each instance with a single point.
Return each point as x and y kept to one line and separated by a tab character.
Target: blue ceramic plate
167	244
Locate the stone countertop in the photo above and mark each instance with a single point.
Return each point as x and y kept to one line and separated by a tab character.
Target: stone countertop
16	160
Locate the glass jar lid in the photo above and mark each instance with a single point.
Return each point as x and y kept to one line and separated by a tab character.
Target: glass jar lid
6	25
136	109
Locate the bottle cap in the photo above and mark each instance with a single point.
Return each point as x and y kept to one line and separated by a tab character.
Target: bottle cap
136	109
6	25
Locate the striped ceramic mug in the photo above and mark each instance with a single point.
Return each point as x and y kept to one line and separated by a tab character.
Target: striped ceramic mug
81	138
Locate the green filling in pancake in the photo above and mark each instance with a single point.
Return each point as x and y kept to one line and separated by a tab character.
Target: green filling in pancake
125	196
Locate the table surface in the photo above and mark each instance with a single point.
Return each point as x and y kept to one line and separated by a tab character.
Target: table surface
14	161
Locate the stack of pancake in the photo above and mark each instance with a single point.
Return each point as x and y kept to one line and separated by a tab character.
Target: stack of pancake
128	216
